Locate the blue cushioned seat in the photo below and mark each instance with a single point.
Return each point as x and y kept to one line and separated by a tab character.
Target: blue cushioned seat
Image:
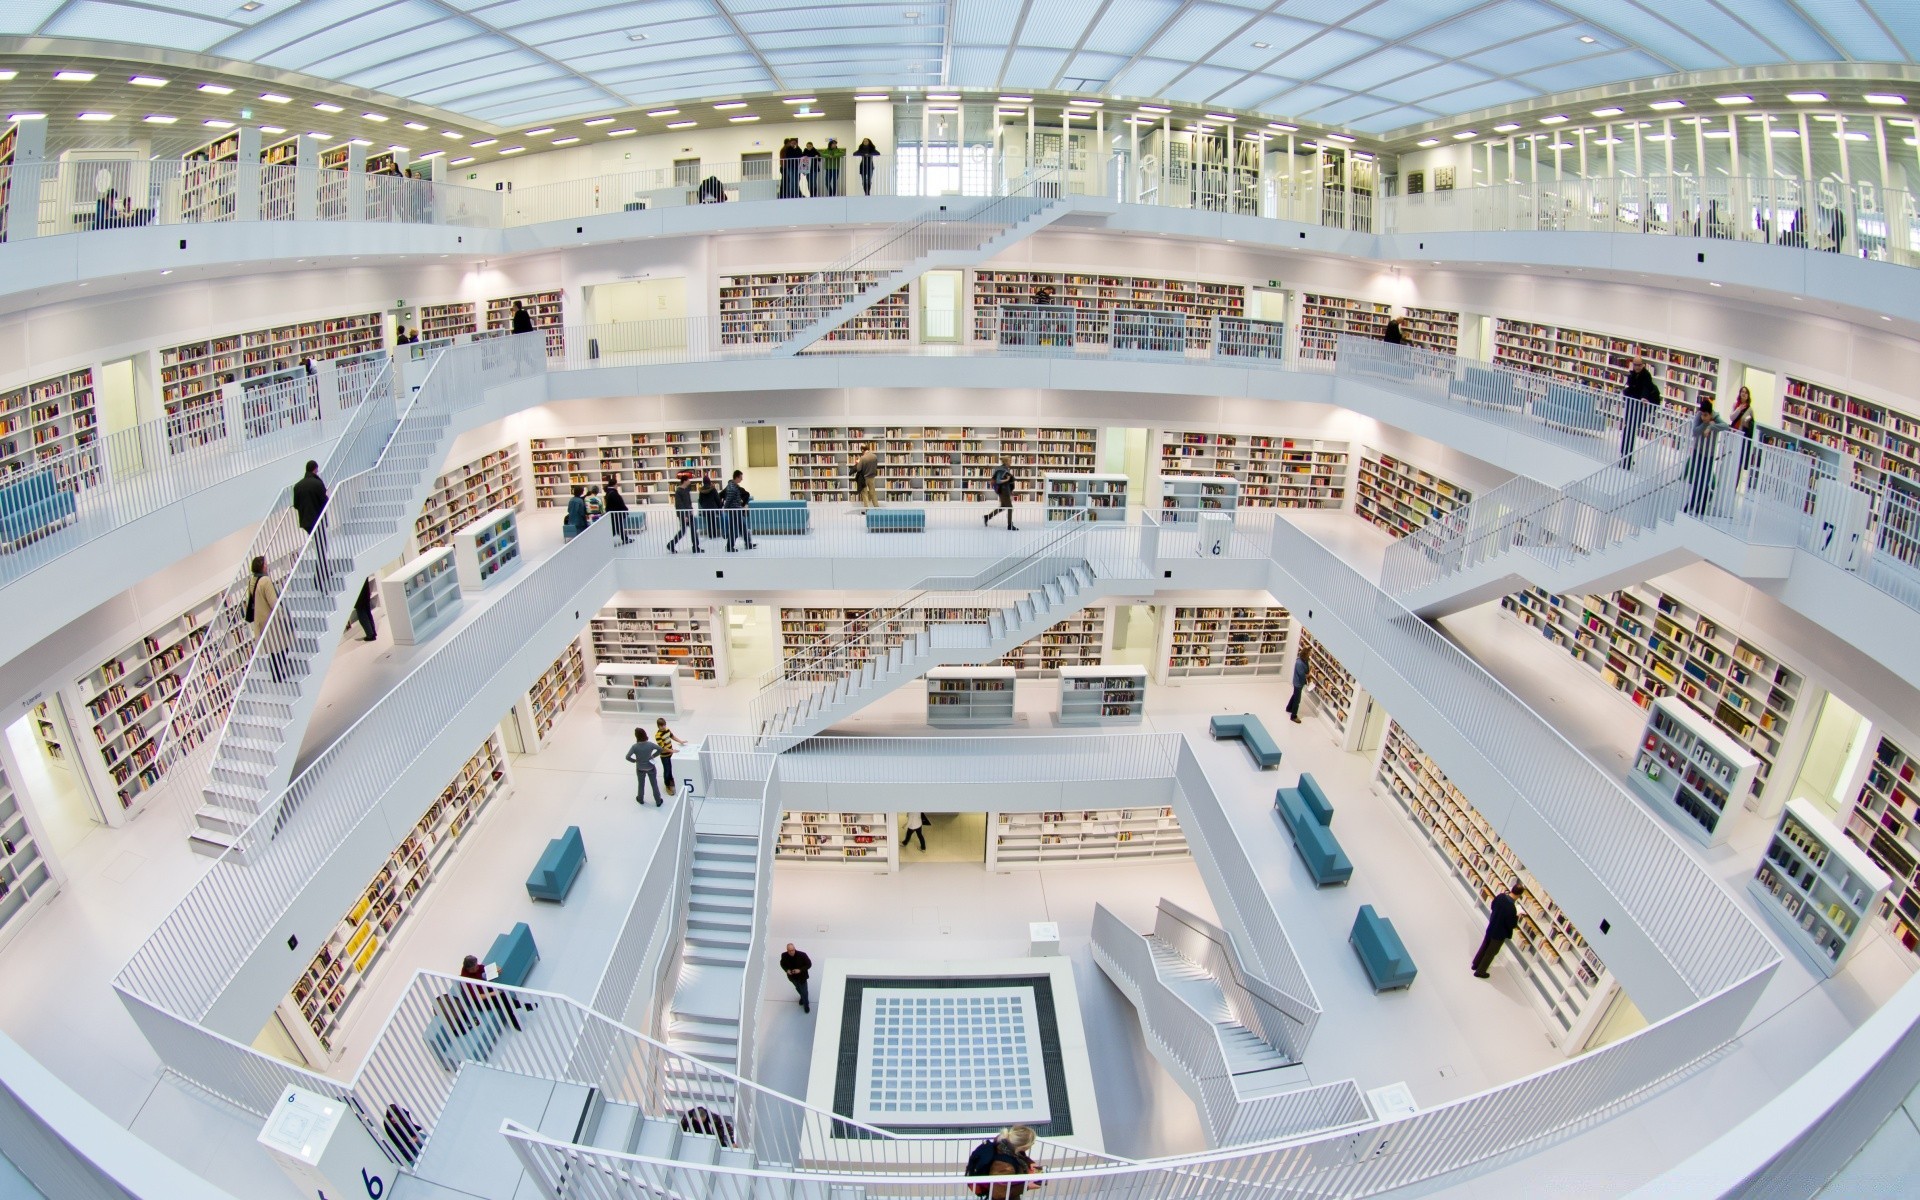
1325	860
1252	734
1308	793
1382	953
515	954
558	867
779	516
896	520
32	506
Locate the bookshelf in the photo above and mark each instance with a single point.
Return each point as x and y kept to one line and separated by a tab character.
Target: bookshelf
637	690
488	550
1883	443
1688	770
1274	472
1221	640
1032	840
1074	641
421	597
1114	695
1645	644
683	638
1601	360
52	419
550	695
333	187
1078	640
752	309
191	372
18	149
1885	823
1324	318
1570	986
1817	885
448	320
547	310
1400	497
52	740
933	463
280	181
26	878
1184	497
207	188
1436	329
1331	682
838	840
1201	302
970	696
1102	497
463	494
316	1008
643	464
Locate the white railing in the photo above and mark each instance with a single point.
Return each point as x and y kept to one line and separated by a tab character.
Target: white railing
668	187
1254	1002
643	949
1045	758
753	981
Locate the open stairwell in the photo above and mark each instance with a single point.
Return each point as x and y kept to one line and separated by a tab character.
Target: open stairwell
1255	1064
623	1129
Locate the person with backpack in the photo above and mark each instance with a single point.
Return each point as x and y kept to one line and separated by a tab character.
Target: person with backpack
1008	1154
616	505
683	509
261	597
576	519
866	469
733	499
1002	485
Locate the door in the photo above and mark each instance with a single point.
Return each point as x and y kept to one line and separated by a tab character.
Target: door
940	293
950	838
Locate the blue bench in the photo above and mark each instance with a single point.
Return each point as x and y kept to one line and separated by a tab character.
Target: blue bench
462	1031
779	516
1252	734
1486	387
896	520
1382	953
1571	409
515	954
32	507
1308	793
1313	841
554	874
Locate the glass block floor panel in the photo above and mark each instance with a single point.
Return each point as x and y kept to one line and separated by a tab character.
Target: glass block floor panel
949	1056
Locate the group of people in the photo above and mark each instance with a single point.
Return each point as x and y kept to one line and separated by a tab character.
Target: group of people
646	751
583	510
820	169
1641	397
866	472
700	507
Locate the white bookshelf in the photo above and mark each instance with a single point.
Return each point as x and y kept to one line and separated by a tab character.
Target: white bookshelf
682	638
1817	885
1436	329
26	877
1570	986
643	464
447	320
1092	837
488	550
550	696
637	690
316	1008
1103	497
1690	771
1202	303
933	463
51	418
859	841
1399	497
421	597
1274	472
1078	640
1601	360
1185	498
970	696
1222	640
1885	822
1883	442
191	372
1103	695
547	310
460	496
753	308
1336	694
1324	318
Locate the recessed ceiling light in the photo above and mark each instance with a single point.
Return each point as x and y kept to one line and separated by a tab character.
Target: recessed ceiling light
634	35
1283	128
912	14
598	121
324	107
358	142
147	81
944	108
670	125
216	89
1667	137
416	126
461	162
1562	146
1854	137
484	142
1147	121
1667	105
376	118
513	150
565	141
1506	127
1016	99
1087	103
1263	45
1426	142
1718	133
805	115
1588	39
74	76
401	149
1733	100
1608	112
743	118
217	124
1011	112
1807	97
7	74
96	116
729	106
315	133
273	129
251	6
1783	133
660	112
1883	98
28	116
1711	283
1220	117
1607	141
275	98
873	96
1345	140
451	133
150	118
431	154
1556	119
944	97
540	132
815	99
1464	134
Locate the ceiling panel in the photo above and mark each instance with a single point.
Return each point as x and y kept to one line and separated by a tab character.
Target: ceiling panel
1034	68
1472	31
97	20
1125	27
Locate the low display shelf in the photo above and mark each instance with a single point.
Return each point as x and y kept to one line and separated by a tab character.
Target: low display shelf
677	637
862	840
314	1010
1400	497
1031	840
1689	771
1569	985
637	690
1817	885
1228	640
1103	695
970	696
1274	472
1885	822
421	597
1184	498
25	878
488	550
1101	497
1332	683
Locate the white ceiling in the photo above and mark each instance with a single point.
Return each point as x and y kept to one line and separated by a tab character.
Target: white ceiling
1369	65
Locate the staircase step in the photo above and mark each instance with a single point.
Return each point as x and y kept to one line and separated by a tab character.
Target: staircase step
230	822
616	1127
209	843
656	1138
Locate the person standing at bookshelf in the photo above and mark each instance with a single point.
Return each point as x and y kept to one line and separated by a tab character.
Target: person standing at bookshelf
641	754
866	469
1002	484
666	740
1394	336
309	504
1299	686
522	319
576	522
1640	399
616	508
683	510
1503	917
796	964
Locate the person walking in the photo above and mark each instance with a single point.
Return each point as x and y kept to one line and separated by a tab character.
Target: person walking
576	522
1503	917
1299	685
1702	453
810	162
261	597
796	964
616	507
665	740
915	829
830	159
522	319
683	509
710	506
641	754
1002	484
865	469
1640	399
734	499
309	504
363	610
866	153
1009	1153
1741	422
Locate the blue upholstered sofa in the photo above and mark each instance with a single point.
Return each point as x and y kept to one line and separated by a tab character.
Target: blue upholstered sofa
1326	861
1382	953
779	516
515	954
1307	792
896	520
1252	734
554	874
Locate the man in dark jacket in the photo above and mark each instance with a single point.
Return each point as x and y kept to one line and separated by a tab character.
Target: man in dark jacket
1299	686
1002	484
1642	397
522	319
309	501
616	508
709	506
683	509
734	498
796	964
1502	918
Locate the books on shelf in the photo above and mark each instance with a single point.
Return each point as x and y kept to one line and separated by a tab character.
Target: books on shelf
644	465
1885	823
1817	885
1324	318
1074	640
1115	695
1435	329
1094	836
1273	472
637	689
1184	499
546	309
460	496
191	372
1691	771
754	308
1400	497
1332	684
970	696
1099	497
862	840
550	694
933	463
1883	442
52	422
26	878
439	321
1601	360
1570	985
488	550
1201	303
1219	640
682	638
421	597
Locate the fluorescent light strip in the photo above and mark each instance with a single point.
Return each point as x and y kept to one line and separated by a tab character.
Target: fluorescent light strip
598	121
729	106
323	106
96	116
1158	109
276	98
1464	134
1807	97
1283	128
216	124
513	150
1087	103
660	112
376	118
1506	127
484	142
74	76
1883	98
1426	143
273	129
1016	99
416	126
1608	112
1730	101
873	96
565	141
743	118
807	115
816	99
1344	140
461	162
1221	117
1557	119
1667	105
148	81
150	118
670	125
540	132
211	89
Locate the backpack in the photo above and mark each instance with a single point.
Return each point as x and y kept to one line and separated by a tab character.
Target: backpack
251	589
989	1159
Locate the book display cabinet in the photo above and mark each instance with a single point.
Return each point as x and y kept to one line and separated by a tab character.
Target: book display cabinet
1400	497
51	420
970	696
637	690
1690	771
1114	695
753	309
1101	497
1221	640
644	465
439	321
488	550
1601	360
1184	499
422	597
1274	472
861	841
1028	841
1324	318
1818	886
1201	303
1885	822
460	496
682	638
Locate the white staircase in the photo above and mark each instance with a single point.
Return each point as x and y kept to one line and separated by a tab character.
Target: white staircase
1255	1064
624	1129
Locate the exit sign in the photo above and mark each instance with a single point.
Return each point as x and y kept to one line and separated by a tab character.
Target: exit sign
473	174
1272	283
